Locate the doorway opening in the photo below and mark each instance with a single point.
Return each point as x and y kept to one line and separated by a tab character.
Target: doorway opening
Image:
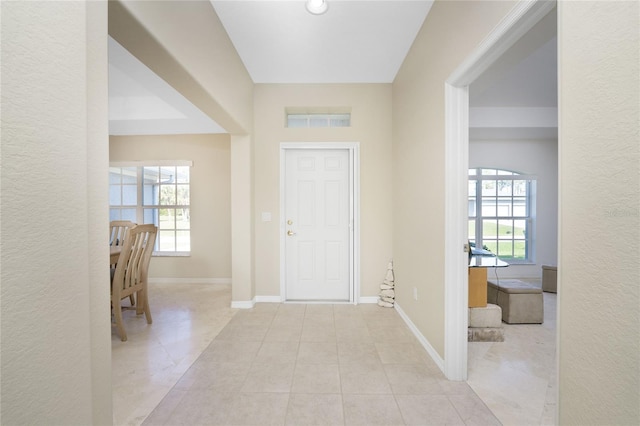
518	22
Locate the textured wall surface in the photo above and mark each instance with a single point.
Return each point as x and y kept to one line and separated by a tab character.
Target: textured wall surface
599	228
55	293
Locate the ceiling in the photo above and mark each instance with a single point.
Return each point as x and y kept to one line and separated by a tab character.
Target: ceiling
355	41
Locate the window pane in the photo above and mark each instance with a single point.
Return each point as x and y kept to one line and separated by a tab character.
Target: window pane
167	195
488	207
168	174
128	214
166	219
114	175
520	207
166	241
297	121
505	229
182	219
520	187
472	188
150	195
318	120
504	207
491	245
129	175
472	230
504	187
114	214
505	249
488	187
115	196
488	171
150	174
183	174
183	240
151	216
520	249
472	207
519	229
129	195
489	229
183	195
340	120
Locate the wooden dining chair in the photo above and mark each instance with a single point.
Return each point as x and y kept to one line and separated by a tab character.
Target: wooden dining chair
131	272
118	230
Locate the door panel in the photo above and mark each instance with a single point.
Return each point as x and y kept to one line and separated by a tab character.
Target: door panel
317	219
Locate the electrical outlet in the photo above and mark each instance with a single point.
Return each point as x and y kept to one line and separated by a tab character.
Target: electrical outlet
415	293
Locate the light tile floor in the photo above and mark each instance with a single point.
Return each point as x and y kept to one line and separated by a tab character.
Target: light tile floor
517	378
201	362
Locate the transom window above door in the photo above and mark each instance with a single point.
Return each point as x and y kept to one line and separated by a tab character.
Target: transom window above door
502	213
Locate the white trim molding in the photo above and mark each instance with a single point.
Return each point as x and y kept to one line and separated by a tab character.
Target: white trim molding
524	15
423	340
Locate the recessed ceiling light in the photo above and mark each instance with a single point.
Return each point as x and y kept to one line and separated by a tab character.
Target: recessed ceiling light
317	7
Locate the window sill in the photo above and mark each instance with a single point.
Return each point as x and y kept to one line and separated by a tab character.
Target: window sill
171	254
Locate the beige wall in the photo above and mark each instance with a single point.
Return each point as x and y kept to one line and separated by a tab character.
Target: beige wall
449	34
210	199
56	333
599	224
370	107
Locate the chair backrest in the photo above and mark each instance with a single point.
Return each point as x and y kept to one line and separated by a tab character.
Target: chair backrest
118	231
133	264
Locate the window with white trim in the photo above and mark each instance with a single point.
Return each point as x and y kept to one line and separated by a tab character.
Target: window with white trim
501	213
158	193
318	120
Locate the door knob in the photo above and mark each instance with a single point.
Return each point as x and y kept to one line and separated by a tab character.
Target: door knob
290	233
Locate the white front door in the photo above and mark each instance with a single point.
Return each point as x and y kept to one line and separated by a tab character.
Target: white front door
317	215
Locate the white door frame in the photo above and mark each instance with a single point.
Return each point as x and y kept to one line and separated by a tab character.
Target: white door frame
524	15
354	201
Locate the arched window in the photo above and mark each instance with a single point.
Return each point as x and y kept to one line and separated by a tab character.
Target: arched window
501	213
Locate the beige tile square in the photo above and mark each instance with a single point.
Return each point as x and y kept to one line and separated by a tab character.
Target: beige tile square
222	377
269	378
473	411
401	353
277	352
317	353
314	409
364	379
371	410
223	351
428	410
257	409
316	379
357	352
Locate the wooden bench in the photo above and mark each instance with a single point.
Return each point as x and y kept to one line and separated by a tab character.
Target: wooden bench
521	302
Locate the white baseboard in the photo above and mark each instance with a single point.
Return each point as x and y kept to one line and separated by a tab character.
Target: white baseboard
368	299
267	299
242	304
213	281
423	341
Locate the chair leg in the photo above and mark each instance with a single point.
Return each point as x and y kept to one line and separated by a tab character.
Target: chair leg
117	313
143	305
132	299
